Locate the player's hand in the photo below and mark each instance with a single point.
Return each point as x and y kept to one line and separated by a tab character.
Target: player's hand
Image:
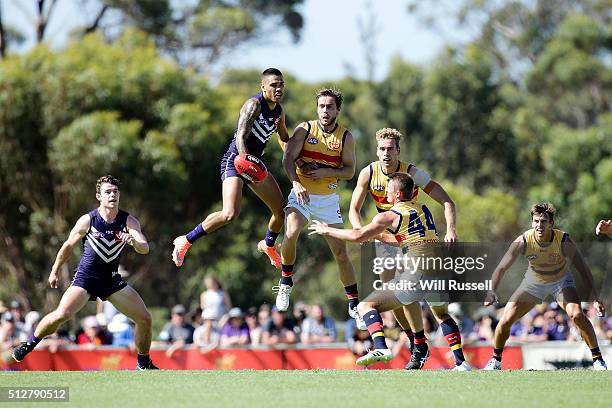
451	236
306	166
317	227
53	280
604	227
301	193
125	237
491	298
317	174
601	309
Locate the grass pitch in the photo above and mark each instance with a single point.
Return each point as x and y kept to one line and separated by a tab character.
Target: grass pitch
322	388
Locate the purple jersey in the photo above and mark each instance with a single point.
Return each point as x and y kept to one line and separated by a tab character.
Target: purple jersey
263	127
101	246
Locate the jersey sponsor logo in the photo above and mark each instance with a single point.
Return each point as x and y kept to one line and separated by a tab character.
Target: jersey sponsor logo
332	186
378	188
312	140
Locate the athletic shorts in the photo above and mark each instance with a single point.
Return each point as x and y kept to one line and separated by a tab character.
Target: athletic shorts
542	290
227	166
98	287
324	208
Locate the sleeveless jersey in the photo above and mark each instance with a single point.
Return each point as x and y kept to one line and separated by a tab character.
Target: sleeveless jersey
325	149
263	127
379	181
416	227
547	261
101	246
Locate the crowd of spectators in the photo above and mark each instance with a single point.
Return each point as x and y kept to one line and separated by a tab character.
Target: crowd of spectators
215	323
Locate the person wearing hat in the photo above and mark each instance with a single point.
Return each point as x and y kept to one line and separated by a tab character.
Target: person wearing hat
279	329
235	332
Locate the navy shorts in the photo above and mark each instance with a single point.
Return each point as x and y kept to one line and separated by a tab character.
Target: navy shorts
98	287
227	166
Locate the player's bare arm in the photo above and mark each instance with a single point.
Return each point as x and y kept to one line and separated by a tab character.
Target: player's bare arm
248	114
574	255
604	227
359	195
76	235
135	237
292	151
437	192
513	252
378	225
283	134
346	171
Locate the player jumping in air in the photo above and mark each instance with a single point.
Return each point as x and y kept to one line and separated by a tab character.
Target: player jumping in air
399	221
549	252
104	232
319	153
260	117
374	179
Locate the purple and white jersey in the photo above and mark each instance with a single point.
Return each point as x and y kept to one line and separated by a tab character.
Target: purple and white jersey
263	127
102	247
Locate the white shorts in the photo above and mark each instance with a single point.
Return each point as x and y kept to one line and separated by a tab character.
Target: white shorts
541	290
324	208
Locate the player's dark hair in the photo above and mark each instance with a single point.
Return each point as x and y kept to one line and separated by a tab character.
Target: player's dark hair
403	182
271	71
335	93
544	208
107	179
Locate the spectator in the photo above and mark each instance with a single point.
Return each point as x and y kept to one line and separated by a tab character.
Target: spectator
215	302
318	328
358	340
235	332
300	311
122	330
557	327
16	309
279	329
255	328
93	335
177	332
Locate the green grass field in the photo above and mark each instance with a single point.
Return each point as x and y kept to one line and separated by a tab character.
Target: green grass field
323	388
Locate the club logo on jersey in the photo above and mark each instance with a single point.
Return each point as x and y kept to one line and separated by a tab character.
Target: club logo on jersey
334	145
532	257
378	188
554	257
312	140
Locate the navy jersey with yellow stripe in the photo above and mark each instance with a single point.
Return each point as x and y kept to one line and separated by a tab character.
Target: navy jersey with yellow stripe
416	227
547	260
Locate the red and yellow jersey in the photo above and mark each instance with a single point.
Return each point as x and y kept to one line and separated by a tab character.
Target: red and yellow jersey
325	149
416	226
379	181
547	261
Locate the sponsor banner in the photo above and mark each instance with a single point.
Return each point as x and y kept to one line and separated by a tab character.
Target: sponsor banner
552	355
109	358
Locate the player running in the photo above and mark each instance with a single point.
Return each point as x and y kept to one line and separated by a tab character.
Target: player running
548	252
260	116
104	232
374	179
319	153
399	220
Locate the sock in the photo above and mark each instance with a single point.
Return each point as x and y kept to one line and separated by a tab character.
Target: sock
352	295
286	274
453	338
271	238
143	359
497	353
197	233
420	342
596	354
374	322
33	340
410	335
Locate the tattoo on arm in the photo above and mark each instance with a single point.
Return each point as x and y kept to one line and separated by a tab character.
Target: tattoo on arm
248	114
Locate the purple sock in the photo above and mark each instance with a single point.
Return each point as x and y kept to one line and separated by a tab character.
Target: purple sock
33	340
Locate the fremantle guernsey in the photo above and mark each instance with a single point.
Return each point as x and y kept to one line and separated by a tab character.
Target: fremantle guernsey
98	268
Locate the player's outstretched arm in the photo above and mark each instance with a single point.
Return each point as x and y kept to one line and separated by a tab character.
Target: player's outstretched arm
248	114
135	237
359	195
378	225
507	261
292	151
76	234
573	253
